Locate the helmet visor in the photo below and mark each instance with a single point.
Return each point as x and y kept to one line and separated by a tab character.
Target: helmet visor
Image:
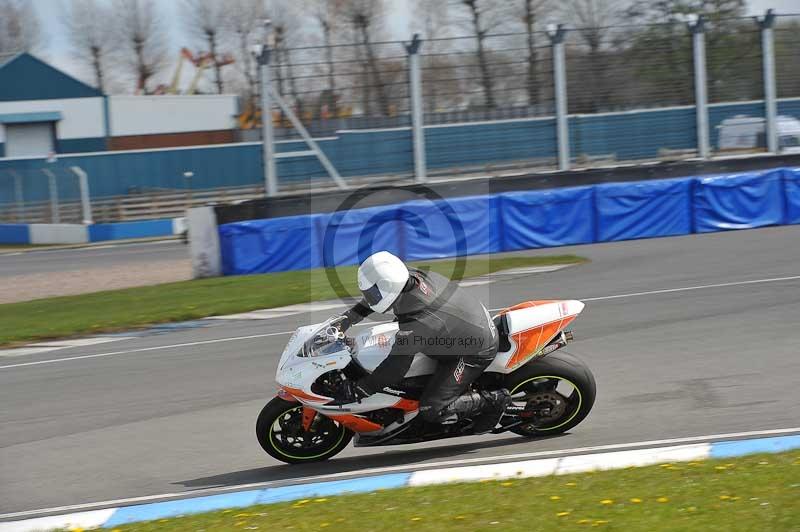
372	295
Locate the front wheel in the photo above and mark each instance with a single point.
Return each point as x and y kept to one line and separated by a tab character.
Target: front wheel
280	432
559	393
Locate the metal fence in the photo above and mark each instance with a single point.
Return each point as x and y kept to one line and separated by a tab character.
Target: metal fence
523	102
697	88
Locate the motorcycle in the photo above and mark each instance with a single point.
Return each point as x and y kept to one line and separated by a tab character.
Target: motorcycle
312	418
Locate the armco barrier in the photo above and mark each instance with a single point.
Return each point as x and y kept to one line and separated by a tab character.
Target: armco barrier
514	220
81	234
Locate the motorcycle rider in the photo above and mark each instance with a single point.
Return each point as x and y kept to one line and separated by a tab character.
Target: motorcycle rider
438	319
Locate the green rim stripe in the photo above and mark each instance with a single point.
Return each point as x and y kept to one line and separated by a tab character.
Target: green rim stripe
580	396
271	442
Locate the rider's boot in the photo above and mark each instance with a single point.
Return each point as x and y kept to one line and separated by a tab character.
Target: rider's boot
496	402
485	408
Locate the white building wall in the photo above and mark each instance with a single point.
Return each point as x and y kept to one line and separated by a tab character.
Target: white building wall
81	118
148	115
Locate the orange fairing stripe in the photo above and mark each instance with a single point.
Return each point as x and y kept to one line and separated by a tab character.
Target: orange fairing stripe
407	405
300	394
529	342
355	423
308	417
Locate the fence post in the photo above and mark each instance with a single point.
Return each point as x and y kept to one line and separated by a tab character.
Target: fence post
698	29
417	129
262	53
18	196
83	184
55	216
556	34
768	67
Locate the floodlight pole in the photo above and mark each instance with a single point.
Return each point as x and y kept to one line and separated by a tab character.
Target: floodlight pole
768	67
267	135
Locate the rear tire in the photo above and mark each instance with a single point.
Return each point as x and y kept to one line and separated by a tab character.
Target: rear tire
280	432
541	380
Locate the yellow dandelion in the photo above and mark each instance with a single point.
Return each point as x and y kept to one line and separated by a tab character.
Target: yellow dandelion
459	517
416	519
76	529
600	522
720	468
584	521
506	483
636	500
320	500
562	514
662	499
227	511
303	501
724	497
555	498
607	501
694	464
691	509
570	484
323	525
242	515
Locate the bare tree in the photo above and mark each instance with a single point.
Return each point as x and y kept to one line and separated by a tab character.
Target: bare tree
364	18
327	15
530	14
594	21
20	30
482	17
243	25
142	39
91	36
205	20
431	18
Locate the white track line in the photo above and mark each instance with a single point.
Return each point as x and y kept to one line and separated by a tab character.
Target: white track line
189	344
143	349
411	467
688	288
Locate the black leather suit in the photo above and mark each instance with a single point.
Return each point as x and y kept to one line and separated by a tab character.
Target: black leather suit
442	321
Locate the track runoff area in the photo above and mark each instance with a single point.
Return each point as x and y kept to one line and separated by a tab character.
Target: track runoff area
690	340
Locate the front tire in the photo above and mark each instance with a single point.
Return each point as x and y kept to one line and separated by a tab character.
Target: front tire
280	432
559	392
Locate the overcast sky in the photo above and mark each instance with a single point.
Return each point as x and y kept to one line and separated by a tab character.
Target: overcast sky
50	12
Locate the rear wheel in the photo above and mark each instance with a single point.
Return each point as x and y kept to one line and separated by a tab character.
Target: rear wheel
559	391
280	432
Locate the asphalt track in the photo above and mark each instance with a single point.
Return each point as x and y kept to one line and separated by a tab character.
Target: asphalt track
687	336
98	256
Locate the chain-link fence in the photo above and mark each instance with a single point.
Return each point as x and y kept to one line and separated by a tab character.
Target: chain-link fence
787	81
40	195
461	106
631	93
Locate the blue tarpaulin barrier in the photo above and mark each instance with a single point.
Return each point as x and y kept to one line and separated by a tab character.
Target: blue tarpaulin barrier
738	201
643	209
791	191
455	227
546	218
273	245
349	237
418	230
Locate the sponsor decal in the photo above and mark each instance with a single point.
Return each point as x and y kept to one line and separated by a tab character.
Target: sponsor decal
458	374
382	340
392	391
424	288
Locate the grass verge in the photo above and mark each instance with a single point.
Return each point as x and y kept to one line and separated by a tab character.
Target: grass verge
115	310
759	492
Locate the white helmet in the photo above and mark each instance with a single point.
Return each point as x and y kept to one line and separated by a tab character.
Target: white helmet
381	278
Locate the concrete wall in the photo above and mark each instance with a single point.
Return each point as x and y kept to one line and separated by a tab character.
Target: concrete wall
82	123
149	115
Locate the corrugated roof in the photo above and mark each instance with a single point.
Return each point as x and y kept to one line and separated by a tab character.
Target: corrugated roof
5	58
26	77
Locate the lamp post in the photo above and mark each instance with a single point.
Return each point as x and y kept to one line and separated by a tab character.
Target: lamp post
262	52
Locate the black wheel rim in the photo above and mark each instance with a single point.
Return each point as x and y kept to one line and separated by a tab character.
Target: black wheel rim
288	437
550	402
